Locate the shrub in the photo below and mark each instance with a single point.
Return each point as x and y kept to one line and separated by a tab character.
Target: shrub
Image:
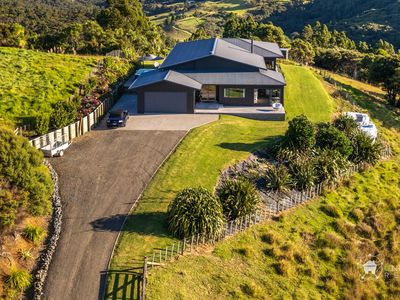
21	165
329	137
346	124
19	279
9	205
329	166
365	149
33	233
278	179
195	211
64	113
238	198
25	254
300	134
41	124
302	171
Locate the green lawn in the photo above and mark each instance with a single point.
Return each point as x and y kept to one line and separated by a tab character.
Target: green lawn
203	154
311	252
31	81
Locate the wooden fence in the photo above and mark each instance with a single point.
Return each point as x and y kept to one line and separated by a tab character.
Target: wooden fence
275	204
80	127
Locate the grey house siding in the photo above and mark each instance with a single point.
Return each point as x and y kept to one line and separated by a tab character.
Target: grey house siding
165	86
249	94
214	64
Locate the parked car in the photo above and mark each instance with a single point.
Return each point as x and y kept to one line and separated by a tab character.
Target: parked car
117	118
55	148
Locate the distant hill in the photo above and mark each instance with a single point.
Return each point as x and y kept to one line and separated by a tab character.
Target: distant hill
368	20
48	16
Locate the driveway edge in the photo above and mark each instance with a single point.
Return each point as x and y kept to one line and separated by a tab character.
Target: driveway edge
102	296
52	239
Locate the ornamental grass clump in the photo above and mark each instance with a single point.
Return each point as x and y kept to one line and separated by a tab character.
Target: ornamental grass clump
34	234
195	211
365	149
238	197
18	279
278	179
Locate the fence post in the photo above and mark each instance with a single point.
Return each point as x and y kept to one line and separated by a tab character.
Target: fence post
184	245
191	244
143	296
166	253
172	251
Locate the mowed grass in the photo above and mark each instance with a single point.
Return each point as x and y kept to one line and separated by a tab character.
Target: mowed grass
30	81
312	252
199	159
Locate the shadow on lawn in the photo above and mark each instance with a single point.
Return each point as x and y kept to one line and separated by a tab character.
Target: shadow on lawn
251	147
153	223
123	284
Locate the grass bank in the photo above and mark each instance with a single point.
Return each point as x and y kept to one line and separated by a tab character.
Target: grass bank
30	81
312	252
201	156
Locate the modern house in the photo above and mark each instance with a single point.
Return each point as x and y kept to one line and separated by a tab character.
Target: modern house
212	73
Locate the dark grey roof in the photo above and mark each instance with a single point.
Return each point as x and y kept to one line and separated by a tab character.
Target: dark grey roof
156	76
263	77
265	49
189	51
194	50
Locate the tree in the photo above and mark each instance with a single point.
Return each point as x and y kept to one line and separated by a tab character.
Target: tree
300	134
13	35
270	33
302	52
195	211
238	198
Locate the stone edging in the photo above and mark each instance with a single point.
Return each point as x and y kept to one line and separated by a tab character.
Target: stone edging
52	239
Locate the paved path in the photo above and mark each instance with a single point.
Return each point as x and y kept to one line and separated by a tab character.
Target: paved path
100	176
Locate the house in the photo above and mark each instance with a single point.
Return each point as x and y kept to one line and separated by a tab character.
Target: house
226	71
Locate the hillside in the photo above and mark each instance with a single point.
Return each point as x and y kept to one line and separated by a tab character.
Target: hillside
363	20
312	252
30	81
367	20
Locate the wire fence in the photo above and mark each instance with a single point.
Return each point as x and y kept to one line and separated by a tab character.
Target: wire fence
274	204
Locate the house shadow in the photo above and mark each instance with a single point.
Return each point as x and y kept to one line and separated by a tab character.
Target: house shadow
153	223
250	147
120	284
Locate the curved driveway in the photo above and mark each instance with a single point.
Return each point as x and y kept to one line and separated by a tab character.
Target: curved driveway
100	176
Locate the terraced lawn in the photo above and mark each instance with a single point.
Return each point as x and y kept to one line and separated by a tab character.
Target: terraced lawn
199	159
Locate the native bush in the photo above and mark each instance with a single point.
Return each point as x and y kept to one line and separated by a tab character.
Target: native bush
21	165
195	211
329	137
33	233
18	279
64	113
302	171
346	124
365	149
238	198
278	179
9	205
300	134
41	123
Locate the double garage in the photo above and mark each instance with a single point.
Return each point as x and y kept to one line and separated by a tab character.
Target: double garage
166	97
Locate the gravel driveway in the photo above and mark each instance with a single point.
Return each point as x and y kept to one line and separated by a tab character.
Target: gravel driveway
101	175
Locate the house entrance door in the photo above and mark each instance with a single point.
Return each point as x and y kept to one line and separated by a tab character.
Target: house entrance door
208	93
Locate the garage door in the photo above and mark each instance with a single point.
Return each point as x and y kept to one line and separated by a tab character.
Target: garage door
165	102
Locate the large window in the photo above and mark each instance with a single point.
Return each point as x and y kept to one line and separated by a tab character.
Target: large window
234	93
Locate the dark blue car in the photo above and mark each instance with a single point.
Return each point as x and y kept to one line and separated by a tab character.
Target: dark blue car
117	118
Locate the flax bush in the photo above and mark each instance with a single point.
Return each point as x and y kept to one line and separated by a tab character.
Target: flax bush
278	179
238	197
195	211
